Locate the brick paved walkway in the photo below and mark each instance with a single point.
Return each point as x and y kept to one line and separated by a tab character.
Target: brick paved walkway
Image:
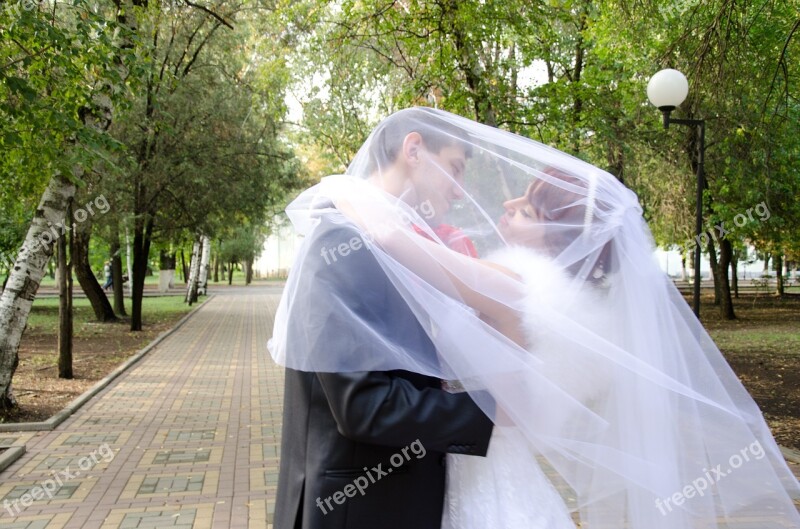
188	438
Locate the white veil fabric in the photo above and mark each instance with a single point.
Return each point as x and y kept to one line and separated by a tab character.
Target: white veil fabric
666	437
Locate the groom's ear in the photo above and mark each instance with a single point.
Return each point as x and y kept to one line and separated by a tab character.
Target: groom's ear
412	145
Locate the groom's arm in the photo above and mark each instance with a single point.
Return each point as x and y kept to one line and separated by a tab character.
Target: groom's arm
387	409
346	300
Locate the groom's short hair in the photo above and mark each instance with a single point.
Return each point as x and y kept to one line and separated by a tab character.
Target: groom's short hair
436	134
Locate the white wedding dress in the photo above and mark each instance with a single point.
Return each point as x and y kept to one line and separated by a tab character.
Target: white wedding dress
508	489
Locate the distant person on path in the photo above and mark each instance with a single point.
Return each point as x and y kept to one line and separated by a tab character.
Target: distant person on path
109	277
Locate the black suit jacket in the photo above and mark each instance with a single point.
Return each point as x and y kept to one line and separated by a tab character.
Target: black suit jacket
342	427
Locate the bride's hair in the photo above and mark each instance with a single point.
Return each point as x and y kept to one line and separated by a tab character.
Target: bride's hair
568	215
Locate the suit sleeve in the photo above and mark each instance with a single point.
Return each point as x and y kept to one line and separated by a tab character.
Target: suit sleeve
379	407
382	408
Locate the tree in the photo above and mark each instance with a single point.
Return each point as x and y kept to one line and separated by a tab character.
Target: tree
243	246
66	254
194	271
202	282
56	85
203	134
564	73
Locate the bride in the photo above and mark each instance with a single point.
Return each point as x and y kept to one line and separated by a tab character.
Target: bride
616	408
508	488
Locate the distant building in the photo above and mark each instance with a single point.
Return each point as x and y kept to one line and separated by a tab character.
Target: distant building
279	251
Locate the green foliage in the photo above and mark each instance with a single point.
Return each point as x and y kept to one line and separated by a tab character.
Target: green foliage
573	73
199	141
60	68
44	315
244	244
203	136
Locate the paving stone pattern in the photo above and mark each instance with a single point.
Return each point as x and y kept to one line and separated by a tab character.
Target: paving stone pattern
187	438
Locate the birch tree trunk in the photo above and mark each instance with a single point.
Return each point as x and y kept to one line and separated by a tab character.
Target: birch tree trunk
29	268
129	261
204	260
194	269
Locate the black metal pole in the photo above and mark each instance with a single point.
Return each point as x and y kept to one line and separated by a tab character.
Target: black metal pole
701	155
699	217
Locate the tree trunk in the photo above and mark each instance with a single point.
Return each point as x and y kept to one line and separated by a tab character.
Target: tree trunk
142	235
83	270
725	257
735	274
17	298
129	261
116	273
712	259
65	307
184	270
205	257
216	269
248	271
191	288
778	261
230	273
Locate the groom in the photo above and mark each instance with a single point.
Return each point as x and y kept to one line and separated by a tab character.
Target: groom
343	433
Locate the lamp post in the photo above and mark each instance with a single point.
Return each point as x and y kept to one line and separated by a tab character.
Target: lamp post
666	90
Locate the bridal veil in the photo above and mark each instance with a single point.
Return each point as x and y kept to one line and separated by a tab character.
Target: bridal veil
659	434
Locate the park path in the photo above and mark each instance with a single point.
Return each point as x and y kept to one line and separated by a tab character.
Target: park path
187	438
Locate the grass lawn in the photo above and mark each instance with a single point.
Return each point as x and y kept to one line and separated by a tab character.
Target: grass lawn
152	280
155	310
763	348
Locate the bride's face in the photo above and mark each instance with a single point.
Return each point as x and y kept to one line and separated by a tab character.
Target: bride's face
521	225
